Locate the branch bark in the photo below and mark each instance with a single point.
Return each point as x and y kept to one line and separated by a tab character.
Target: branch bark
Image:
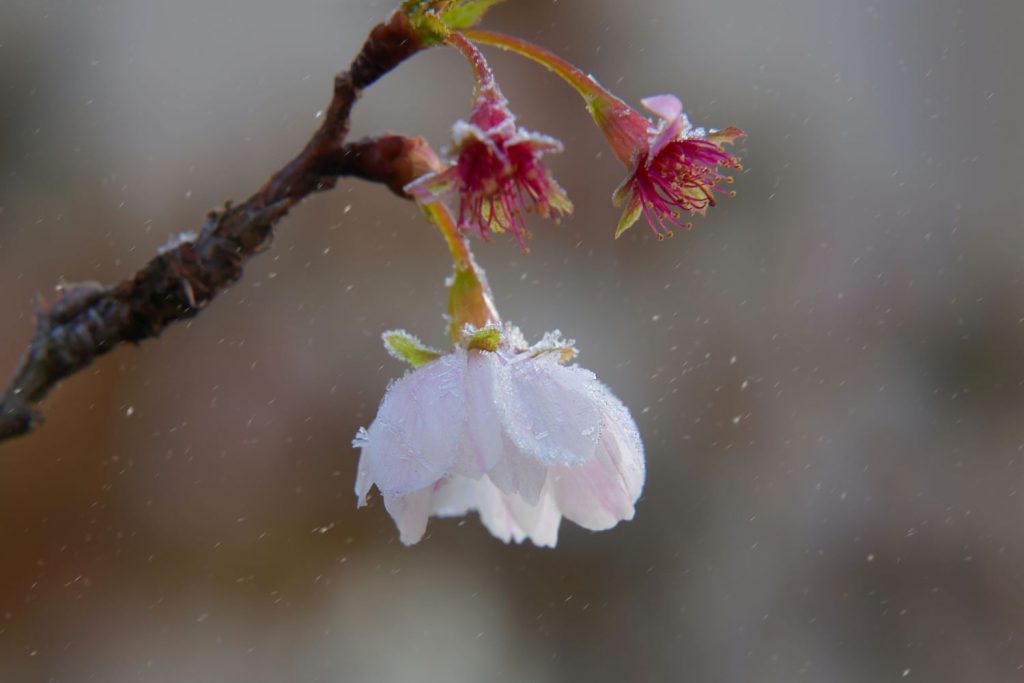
88	320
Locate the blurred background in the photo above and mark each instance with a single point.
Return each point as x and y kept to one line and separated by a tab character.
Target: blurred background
827	370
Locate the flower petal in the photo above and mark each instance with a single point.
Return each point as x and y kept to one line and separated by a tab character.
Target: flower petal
516	474
548	412
414	439
482	443
602	492
410	513
674	123
538	521
667	107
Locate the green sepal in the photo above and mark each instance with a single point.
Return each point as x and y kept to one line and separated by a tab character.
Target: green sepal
433	20
469	300
634	207
485	339
404	346
466	13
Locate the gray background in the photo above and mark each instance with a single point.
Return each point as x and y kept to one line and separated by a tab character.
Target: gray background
827	371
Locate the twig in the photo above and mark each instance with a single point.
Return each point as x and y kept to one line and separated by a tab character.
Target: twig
88	320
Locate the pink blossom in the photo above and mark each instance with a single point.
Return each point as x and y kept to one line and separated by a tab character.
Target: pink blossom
511	433
497	172
676	168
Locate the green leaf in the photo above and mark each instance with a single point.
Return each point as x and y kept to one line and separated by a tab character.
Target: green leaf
466	13
485	339
403	346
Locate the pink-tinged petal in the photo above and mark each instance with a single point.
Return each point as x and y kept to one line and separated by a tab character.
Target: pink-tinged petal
496	515
602	492
667	107
410	513
510	518
516	474
363	483
539	521
414	439
506	516
482	443
548	413
670	110
620	442
456	496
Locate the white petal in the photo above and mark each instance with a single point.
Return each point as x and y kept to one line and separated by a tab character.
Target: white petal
482	443
620	439
516	474
455	497
414	440
507	517
539	521
410	513
549	412
600	493
363	482
496	515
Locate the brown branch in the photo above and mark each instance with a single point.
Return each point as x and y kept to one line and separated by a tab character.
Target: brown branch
89	320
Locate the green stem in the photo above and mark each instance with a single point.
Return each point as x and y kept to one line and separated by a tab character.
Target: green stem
440	216
589	88
469	296
625	128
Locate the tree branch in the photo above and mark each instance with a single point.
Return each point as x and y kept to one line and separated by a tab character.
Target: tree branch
88	320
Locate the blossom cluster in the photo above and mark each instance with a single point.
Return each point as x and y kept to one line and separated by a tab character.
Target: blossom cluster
511	430
498	175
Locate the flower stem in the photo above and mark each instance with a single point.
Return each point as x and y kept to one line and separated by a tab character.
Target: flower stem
624	127
589	88
470	301
440	216
481	70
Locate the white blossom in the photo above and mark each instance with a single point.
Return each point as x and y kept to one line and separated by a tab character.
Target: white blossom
511	433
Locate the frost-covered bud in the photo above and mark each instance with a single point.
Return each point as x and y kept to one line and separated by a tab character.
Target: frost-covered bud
507	430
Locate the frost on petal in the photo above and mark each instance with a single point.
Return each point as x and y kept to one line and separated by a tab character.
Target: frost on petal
414	440
482	442
600	493
410	513
548	411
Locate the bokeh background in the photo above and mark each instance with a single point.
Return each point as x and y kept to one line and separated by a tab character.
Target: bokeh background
827	371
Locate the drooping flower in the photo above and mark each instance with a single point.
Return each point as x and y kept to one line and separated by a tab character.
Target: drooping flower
496	167
507	430
675	169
